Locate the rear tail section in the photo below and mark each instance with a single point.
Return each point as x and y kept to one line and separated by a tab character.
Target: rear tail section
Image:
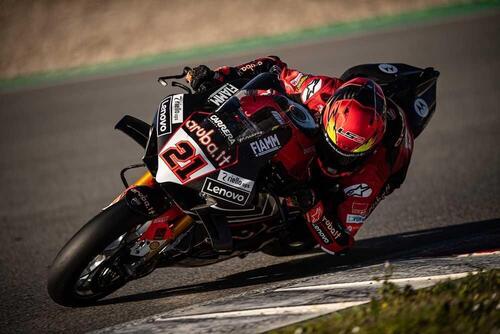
423	106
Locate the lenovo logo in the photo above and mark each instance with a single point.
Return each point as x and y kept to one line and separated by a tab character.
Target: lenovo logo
163	122
225	192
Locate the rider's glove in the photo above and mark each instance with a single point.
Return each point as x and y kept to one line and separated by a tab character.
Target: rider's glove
201	78
330	234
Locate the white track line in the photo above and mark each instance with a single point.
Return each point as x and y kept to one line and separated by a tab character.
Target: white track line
286	310
495	252
377	283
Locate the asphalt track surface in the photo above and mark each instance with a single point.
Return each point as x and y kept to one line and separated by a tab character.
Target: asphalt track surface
61	158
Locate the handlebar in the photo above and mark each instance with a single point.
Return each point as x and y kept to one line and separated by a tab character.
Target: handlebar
163	80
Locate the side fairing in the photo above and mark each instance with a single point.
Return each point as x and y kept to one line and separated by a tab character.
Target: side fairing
199	159
213	157
182	160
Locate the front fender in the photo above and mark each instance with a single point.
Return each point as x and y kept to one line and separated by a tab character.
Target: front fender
147	201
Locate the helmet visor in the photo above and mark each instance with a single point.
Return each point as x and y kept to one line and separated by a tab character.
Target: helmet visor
336	158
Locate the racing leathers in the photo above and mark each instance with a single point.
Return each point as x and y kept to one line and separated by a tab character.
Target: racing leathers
338	201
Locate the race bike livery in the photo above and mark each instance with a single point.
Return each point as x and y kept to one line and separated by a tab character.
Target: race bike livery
205	196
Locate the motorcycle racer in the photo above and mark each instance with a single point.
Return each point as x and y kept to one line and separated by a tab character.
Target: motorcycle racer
363	149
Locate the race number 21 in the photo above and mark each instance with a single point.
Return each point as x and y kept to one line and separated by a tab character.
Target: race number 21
183	160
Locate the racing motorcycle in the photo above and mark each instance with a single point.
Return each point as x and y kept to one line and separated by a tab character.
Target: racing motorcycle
204	197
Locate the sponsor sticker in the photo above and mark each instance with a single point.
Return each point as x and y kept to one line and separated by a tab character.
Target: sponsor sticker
215	120
295	81
163	123
321	234
315	213
154	245
224	191
139	199
251	66
421	107
388	68
358	190
301	81
335	233
204	137
360	208
266	145
182	159
222	94
278	117
235	180
350	135
355	219
177	108
312	88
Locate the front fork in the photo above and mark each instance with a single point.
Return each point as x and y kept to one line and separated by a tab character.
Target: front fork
167	222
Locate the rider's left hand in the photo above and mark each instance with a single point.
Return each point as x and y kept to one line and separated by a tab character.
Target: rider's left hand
200	78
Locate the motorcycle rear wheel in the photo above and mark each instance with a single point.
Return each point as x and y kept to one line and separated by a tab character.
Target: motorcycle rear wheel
83	249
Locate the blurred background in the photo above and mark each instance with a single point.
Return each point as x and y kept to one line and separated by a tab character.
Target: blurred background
46	35
60	157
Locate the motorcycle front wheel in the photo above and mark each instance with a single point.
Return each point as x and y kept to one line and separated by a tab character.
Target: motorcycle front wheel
89	266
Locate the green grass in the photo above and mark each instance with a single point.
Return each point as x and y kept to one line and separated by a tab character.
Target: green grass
468	305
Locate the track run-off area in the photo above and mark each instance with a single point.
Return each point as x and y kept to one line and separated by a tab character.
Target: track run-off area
61	161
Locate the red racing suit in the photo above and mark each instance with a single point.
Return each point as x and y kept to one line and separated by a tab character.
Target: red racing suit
334	220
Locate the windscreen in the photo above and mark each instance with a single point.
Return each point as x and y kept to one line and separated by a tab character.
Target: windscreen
250	113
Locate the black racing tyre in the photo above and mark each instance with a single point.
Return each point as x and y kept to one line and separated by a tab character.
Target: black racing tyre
90	241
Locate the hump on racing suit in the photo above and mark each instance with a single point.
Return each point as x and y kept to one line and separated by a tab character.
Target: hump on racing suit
412	88
410	91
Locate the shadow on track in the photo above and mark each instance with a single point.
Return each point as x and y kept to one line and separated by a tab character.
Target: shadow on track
444	241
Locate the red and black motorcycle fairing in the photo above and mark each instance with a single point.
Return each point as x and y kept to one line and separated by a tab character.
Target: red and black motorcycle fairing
204	197
213	147
211	163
